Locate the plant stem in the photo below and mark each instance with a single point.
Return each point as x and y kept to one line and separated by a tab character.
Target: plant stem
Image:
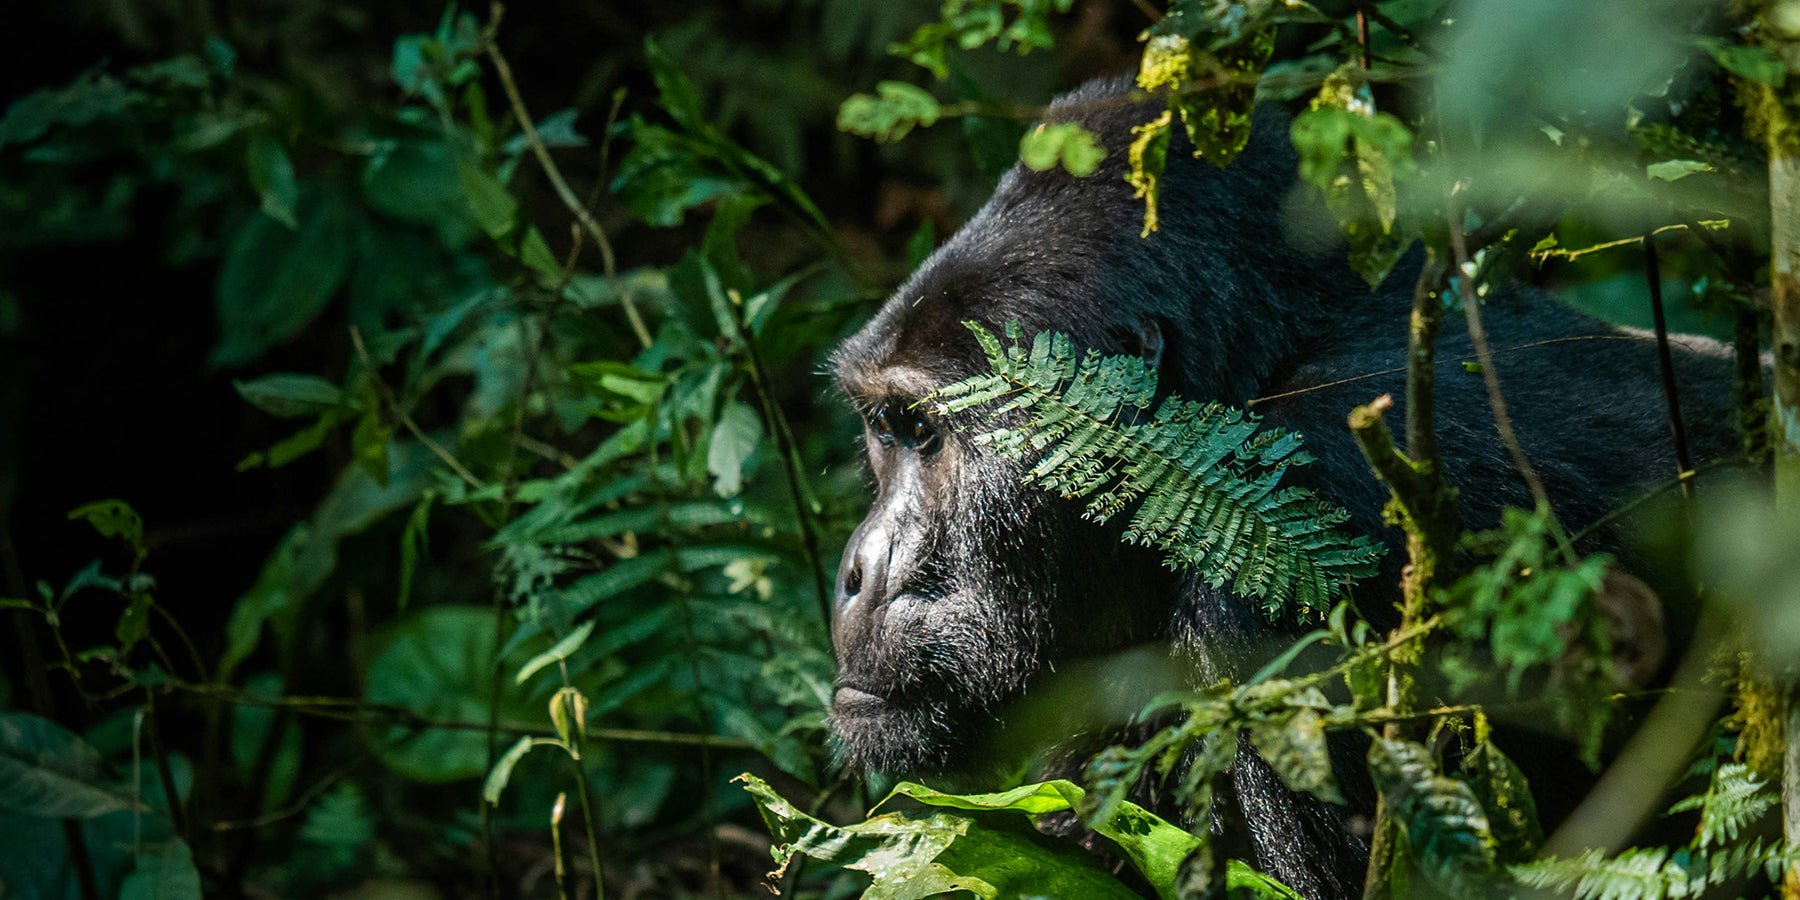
790	458
1684	461
1427	506
557	182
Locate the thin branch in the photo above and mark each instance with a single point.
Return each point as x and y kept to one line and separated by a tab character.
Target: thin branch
393	404
1489	375
1374	13
1682	481
790	456
1684	461
561	185
351	709
1440	362
1150	12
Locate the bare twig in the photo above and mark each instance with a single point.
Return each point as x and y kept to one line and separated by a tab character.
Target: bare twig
351	709
1374	13
1439	362
1682	481
557	182
394	408
1684	461
1489	375
790	457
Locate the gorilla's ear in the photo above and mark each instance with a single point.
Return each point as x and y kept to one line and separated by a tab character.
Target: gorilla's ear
1143	338
1635	628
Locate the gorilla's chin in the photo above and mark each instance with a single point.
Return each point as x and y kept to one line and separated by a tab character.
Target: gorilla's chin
877	734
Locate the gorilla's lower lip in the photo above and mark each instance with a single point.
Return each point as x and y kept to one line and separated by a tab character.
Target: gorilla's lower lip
856	700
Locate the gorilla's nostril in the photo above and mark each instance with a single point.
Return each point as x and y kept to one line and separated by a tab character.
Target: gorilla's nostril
853	581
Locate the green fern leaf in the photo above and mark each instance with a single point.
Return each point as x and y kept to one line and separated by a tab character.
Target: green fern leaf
1205	479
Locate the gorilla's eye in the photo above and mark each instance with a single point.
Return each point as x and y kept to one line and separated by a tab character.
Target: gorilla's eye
882	426
899	422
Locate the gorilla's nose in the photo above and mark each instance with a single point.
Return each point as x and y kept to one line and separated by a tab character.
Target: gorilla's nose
863	573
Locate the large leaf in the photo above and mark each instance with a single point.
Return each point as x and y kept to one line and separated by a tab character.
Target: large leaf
164	872
276	281
1155	847
438	664
910	856
47	771
308	553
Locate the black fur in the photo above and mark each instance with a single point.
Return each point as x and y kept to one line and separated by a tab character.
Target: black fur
1244	293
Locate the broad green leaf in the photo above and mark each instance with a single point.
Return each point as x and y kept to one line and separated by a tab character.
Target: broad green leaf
1155	847
417	181
438	663
275	281
1210	85
272	175
291	395
1677	169
1506	797
735	438
92	97
1243	881
911	856
1295	747
47	771
1066	144
494	209
165	872
1357	157
134	622
1760	64
1446	829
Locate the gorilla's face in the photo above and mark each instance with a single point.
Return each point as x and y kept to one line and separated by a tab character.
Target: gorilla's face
961	585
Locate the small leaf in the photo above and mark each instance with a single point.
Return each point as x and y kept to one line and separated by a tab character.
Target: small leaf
1295	747
113	519
735	437
1677	169
503	769
1759	64
272	175
1066	143
562	650
415	540
890	113
369	444
134	622
494	209
291	396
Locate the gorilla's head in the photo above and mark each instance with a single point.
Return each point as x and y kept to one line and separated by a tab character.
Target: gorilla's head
962	586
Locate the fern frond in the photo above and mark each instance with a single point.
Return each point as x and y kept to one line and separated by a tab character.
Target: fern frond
1734	798
1205	479
1638	873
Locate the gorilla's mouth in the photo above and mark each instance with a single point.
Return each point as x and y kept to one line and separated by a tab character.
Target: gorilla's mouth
855	703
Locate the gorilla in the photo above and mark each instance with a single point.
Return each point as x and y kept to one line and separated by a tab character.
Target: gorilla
962	589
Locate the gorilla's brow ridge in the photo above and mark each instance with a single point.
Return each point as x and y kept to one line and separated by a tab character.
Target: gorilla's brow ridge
868	386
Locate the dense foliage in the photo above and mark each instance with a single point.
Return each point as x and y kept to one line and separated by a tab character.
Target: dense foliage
521	365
